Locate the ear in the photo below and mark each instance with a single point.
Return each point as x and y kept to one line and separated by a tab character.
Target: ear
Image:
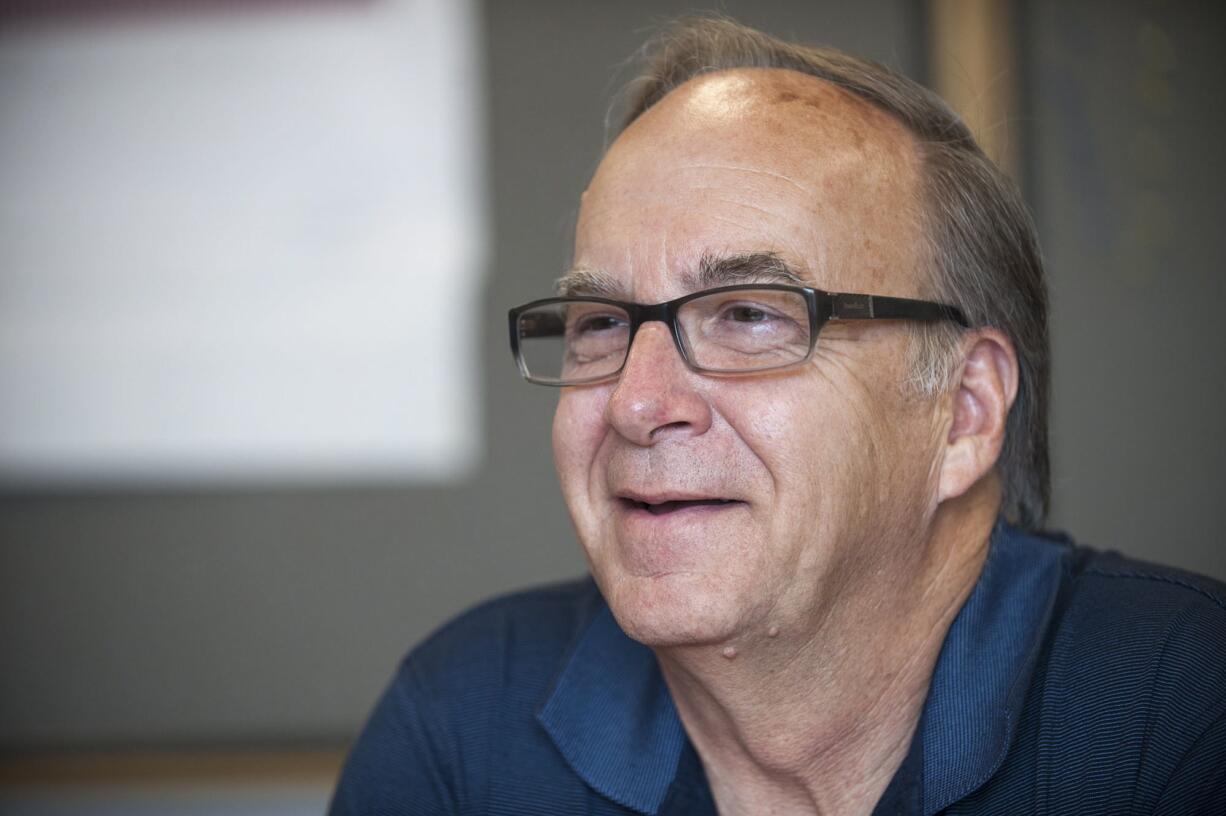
985	392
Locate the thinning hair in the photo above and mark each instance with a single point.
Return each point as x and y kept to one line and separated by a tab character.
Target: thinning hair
981	241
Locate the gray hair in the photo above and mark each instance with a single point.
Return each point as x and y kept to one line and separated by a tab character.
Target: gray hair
981	240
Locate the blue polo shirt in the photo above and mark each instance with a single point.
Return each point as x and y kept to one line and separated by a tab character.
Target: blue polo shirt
1070	682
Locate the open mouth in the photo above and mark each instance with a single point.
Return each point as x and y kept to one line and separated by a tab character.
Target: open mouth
666	507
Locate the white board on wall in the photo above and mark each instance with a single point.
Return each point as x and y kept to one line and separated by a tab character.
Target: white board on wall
242	246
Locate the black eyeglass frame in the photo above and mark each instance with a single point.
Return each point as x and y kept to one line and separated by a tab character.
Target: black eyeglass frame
822	306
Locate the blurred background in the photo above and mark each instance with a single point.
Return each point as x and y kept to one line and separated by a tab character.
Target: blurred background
259	428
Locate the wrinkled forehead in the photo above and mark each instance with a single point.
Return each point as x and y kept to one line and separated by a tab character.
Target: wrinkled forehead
757	161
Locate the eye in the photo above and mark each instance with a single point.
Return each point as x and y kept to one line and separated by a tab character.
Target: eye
744	313
758	318
594	323
747	314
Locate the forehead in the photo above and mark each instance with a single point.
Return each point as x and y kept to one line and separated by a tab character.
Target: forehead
756	161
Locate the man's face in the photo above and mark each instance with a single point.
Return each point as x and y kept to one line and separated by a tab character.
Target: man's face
823	469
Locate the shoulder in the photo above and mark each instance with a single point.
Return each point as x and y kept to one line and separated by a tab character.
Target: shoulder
1134	684
1126	710
1136	613
1141	637
456	727
1116	574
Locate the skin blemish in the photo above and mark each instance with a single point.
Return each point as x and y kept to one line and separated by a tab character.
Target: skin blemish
729	652
773	632
785	97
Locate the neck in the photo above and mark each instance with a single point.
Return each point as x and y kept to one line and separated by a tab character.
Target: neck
819	720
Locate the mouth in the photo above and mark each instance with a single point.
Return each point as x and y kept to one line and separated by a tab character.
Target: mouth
664	507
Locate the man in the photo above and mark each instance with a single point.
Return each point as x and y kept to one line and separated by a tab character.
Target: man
805	511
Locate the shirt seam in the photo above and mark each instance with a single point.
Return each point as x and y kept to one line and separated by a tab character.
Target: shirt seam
1147	742
1183	760
1157	576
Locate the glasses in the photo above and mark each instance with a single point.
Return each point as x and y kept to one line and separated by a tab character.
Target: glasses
728	330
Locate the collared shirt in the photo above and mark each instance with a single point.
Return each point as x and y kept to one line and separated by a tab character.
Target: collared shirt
539	703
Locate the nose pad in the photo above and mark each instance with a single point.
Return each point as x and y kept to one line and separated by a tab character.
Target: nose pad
654	397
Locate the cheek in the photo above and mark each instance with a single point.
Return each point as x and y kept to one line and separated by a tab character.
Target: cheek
791	429
819	446
578	428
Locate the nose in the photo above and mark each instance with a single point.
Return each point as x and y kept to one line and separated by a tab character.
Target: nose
654	398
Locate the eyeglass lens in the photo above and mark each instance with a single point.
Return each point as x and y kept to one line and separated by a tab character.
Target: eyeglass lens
742	330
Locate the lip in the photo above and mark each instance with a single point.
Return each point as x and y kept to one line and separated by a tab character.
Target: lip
670	503
665	532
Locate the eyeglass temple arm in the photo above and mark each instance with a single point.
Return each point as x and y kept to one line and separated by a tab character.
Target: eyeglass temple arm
880	307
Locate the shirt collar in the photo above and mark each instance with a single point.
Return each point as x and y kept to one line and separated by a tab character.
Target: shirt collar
984	669
611	716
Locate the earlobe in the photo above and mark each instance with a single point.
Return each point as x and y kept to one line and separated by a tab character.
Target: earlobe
987	386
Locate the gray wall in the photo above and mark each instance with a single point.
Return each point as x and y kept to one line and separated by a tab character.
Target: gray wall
279	615
1126	115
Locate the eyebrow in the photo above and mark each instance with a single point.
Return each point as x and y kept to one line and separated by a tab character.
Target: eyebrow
589	282
713	271
754	267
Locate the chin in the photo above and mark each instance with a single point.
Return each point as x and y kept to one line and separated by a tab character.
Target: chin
672	609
